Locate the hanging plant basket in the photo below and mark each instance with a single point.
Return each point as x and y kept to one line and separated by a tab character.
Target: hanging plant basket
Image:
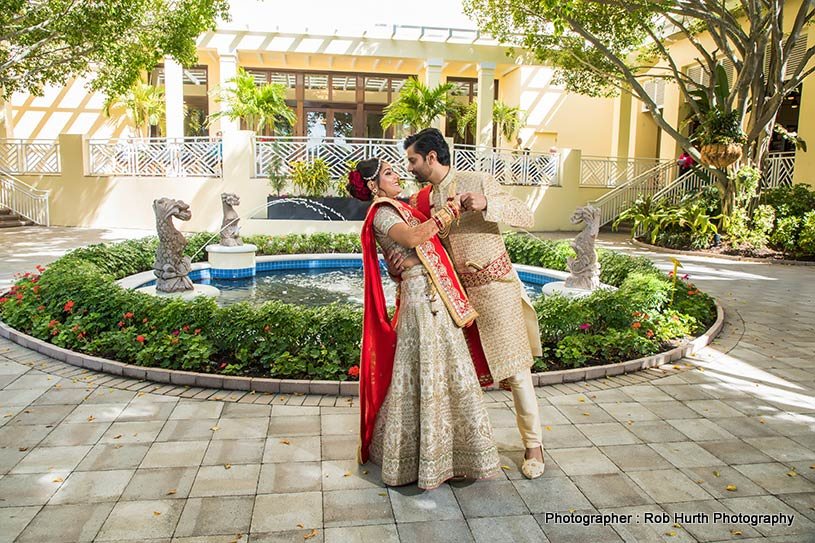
720	155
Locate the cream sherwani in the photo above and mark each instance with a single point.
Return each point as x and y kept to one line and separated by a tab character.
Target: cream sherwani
507	322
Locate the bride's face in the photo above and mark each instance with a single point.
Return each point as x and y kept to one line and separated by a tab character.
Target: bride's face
389	182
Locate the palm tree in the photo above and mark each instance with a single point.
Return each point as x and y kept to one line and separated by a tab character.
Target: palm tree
507	119
258	105
143	104
419	105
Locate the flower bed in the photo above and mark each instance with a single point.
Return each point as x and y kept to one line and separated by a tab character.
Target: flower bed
76	304
779	224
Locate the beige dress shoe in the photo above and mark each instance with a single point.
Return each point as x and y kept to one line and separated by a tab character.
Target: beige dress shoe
533	468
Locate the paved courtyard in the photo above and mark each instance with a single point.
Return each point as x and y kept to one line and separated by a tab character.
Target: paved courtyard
91	457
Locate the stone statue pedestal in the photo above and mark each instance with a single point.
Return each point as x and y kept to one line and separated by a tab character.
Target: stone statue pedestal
198	290
559	287
232	262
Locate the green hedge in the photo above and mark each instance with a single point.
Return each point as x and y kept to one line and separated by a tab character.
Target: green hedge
75	303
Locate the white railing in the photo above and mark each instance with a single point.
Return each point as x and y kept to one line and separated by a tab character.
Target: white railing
647	183
283	152
508	167
25	157
691	182
24	200
778	170
157	157
605	171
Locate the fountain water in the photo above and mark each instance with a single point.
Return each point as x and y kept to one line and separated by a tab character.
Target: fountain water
297	201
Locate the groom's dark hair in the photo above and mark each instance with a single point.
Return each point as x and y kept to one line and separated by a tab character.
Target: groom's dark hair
430	139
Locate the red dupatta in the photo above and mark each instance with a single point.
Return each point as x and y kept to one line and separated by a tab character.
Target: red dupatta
379	332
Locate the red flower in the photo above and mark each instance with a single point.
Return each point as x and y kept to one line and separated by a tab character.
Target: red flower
176	332
585	326
144	320
39	268
197	331
636	325
140	338
19	296
120	324
649	334
686	277
53	323
69	306
129	315
40	308
36	289
186	327
222	366
3	300
353	371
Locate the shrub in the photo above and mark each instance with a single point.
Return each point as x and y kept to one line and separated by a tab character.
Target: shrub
77	304
806	236
792	201
614	345
313	179
785	236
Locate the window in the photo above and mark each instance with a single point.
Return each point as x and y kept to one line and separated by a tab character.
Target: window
656	91
328	103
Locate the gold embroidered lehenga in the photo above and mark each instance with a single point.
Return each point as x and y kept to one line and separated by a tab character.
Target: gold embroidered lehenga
432	425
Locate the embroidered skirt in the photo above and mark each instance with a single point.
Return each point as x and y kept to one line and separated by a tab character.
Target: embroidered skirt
433	424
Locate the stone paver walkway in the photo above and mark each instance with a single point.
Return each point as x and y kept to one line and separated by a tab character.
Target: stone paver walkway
89	457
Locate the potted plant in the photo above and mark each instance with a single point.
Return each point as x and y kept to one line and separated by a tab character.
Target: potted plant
722	138
719	134
313	179
274	173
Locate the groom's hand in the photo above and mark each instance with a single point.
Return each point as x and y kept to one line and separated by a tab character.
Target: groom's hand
473	201
394	260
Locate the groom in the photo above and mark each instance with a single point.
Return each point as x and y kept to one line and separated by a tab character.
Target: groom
507	323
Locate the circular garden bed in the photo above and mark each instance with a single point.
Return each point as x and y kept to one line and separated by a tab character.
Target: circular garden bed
76	304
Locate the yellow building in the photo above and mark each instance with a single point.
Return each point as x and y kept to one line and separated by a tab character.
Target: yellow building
339	76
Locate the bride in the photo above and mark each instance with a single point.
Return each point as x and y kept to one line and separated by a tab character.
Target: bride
423	418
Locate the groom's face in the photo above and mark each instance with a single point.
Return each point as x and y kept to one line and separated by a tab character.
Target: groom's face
419	166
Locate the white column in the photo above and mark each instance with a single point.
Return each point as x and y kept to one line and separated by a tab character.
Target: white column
229	69
486	93
432	78
174	96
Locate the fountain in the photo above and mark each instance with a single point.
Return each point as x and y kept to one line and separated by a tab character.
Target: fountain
172	268
584	270
231	258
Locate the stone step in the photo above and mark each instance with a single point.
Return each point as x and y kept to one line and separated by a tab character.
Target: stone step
9	219
15	223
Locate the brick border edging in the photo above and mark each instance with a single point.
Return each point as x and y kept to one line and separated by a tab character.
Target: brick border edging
735	258
336	388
